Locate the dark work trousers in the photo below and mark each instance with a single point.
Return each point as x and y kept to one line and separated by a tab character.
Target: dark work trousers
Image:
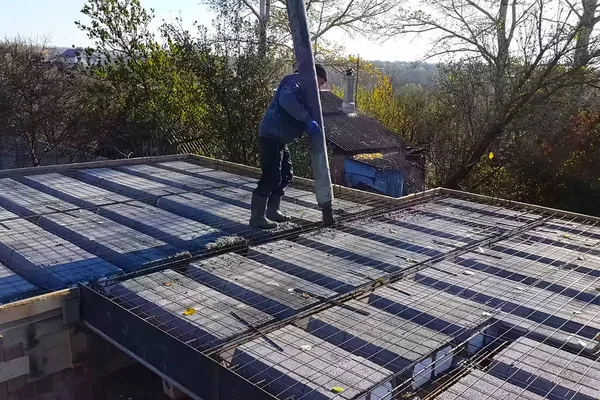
276	165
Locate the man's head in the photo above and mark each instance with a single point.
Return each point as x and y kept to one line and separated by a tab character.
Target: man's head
321	74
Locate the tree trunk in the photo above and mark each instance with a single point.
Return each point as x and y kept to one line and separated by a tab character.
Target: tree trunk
586	25
263	26
478	151
502	56
262	40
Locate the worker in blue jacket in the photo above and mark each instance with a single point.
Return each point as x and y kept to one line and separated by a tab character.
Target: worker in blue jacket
286	120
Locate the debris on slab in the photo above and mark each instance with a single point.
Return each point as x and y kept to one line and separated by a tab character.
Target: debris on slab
283	227
224	242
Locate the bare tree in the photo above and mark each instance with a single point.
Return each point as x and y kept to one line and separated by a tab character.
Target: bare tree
355	17
39	105
528	50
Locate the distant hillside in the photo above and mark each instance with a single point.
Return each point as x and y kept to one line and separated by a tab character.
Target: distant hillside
403	73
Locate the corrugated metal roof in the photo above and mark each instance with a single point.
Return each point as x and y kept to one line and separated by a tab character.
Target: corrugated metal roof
441	296
355	133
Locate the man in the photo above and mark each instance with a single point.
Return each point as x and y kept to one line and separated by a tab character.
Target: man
286	120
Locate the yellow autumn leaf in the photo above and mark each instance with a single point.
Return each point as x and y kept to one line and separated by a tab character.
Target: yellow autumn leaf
189	311
491	155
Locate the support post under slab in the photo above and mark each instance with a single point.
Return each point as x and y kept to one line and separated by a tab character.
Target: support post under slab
306	69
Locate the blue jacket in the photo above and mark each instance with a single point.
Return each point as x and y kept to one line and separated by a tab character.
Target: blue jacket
286	118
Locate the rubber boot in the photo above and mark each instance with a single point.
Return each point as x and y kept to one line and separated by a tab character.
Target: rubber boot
257	213
273	212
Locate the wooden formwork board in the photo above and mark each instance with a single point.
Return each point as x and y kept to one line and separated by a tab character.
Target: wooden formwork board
35	339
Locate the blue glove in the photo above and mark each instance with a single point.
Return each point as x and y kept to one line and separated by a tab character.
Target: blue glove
314	128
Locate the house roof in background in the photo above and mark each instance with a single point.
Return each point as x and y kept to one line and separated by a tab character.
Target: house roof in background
73	53
356	133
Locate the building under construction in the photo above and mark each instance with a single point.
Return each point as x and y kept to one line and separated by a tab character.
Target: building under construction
440	295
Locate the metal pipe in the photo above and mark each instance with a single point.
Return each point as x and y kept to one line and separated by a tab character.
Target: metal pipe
306	68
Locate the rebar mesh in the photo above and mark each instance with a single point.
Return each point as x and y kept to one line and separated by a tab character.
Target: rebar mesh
439	297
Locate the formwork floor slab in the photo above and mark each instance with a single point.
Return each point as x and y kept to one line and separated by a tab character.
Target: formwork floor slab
47	260
392	342
551	309
327	270
307	368
479	385
12	286
267	289
548	371
432	308
461	285
186	309
178	231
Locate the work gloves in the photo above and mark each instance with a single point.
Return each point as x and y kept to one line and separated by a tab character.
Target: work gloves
313	128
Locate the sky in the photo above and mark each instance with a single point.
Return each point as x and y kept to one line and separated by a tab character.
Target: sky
55	20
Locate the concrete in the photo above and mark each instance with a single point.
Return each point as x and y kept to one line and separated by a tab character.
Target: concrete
264	288
228	178
117	244
184	166
164	297
305	198
335	273
362	250
214	213
548	371
551	277
413	229
44	259
178	231
12	286
481	215
434	309
241	197
73	190
392	342
297	203
537	305
453	227
171	178
127	184
566	250
500	215
418	246
419	327
478	385
512	327
128	249
309	374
